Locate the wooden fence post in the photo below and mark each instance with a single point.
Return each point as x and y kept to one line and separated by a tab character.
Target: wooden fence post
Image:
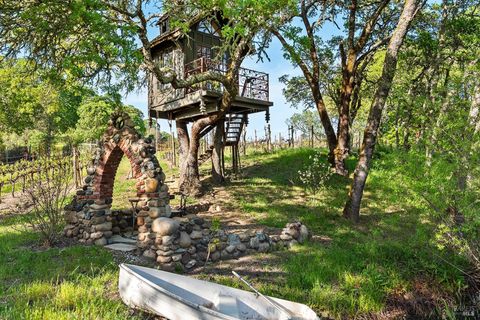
311	136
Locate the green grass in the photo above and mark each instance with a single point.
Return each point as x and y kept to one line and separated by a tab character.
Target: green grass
389	252
123	188
76	282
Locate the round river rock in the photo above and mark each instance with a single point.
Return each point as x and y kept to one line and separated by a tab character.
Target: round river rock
165	226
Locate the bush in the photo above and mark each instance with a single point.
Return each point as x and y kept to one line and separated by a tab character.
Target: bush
47	193
315	174
453	205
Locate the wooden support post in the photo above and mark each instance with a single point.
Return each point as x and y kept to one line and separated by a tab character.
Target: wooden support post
223	159
173	146
269	138
156	134
293	137
289	137
311	136
75	172
233	158
239	165
244	138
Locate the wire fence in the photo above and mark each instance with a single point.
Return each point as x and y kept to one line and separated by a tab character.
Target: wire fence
251	141
16	172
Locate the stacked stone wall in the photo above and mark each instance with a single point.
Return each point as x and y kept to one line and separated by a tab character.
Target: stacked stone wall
89	216
186	242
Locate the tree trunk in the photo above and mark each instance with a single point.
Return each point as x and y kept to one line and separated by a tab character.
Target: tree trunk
472	129
407	132
343	134
474	114
217	172
352	206
183	146
189	181
439	117
433	94
327	125
49	138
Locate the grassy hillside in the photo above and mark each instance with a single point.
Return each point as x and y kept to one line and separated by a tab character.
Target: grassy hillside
384	264
364	268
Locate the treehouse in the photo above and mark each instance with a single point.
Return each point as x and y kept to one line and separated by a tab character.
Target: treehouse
195	53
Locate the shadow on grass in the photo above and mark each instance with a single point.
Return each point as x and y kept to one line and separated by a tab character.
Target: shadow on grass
387	252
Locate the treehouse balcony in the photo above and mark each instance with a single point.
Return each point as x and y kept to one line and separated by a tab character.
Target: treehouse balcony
203	98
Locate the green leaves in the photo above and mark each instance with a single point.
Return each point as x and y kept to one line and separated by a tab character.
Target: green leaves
94	113
77	39
315	175
24	97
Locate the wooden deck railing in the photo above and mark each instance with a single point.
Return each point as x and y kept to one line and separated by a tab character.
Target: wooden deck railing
251	83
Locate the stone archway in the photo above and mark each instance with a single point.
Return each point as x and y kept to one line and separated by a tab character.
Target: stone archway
89	216
183	241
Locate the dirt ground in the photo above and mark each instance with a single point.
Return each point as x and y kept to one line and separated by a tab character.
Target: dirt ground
13	205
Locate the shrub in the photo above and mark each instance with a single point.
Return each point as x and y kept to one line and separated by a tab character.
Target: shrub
47	193
315	174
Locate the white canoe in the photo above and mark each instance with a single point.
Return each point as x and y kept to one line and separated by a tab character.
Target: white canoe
177	297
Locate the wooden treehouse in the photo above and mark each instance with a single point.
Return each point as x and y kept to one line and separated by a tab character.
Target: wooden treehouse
196	53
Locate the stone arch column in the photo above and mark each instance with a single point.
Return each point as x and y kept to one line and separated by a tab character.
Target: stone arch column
89	217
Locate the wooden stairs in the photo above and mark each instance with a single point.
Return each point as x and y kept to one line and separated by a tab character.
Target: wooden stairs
234	124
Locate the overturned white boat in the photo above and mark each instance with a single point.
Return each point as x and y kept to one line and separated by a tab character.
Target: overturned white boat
177	297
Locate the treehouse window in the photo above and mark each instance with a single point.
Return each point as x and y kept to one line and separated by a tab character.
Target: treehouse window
165	59
207	28
204	52
164	27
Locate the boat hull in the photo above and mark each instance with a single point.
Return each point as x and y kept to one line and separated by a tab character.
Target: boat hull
177	297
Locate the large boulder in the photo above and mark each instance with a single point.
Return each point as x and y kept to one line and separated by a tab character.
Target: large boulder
165	226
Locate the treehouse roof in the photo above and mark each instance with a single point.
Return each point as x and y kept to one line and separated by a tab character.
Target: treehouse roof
176	34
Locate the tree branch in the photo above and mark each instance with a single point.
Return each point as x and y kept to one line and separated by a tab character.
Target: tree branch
351	24
373	48
368	28
311	38
293	54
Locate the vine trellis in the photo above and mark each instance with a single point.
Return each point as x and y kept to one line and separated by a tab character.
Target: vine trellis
24	171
